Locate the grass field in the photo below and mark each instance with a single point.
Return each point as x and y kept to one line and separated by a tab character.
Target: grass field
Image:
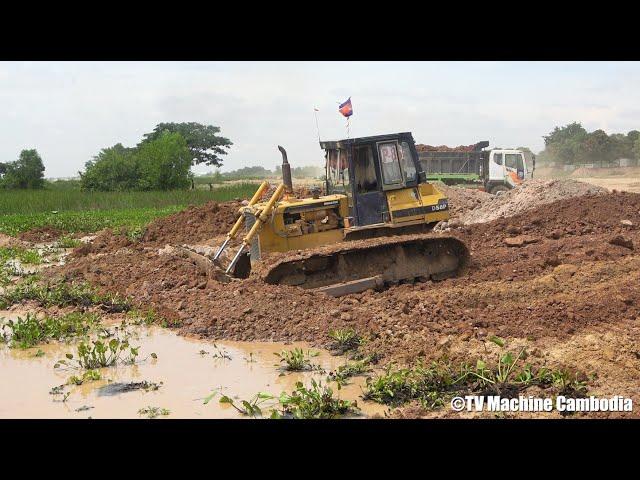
76	211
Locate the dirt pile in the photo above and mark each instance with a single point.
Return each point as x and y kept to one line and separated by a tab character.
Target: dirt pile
41	235
444	148
193	225
463	200
529	195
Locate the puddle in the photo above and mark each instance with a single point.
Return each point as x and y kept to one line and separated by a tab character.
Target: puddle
187	377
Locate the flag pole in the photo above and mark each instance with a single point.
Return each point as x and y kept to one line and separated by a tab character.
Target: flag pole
315	112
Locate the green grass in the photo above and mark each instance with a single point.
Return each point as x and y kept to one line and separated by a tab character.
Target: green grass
24	255
77	211
30	331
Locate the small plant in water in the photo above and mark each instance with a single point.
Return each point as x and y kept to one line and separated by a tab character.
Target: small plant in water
250	408
30	331
153	412
297	360
316	401
348	370
345	339
87	377
99	354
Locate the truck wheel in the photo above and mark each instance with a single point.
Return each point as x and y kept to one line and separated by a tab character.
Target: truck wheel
499	189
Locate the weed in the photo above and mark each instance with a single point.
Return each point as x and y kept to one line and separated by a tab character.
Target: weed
26	256
220	353
348	370
142	317
62	294
30	331
314	402
250	408
430	385
296	360
38	354
345	339
67	241
57	391
100	354
87	377
153	412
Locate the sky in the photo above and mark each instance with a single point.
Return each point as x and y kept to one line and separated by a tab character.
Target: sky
68	111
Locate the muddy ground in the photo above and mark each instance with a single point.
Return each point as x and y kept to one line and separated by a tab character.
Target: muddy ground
559	276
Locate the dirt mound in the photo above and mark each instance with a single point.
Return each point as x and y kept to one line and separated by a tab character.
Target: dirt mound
444	148
527	196
7	241
462	200
41	234
193	225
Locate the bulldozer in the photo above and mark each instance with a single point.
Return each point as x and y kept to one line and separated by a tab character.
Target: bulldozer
369	227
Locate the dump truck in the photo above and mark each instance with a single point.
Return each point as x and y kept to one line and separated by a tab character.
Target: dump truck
375	187
493	170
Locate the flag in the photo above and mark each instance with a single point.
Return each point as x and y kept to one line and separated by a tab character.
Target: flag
345	108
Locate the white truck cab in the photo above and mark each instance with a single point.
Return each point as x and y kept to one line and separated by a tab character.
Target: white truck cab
506	168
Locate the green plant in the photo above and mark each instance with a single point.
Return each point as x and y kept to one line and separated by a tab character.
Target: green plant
100	354
431	384
30	331
250	408
67	241
153	412
316	401
62	294
348	370
345	339
23	255
88	376
296	360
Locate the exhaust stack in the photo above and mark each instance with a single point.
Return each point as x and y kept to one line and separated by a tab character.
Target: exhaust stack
286	171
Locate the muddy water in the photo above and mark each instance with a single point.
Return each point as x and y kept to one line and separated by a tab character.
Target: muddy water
188	376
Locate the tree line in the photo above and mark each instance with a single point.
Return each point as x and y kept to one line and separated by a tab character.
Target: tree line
573	144
161	161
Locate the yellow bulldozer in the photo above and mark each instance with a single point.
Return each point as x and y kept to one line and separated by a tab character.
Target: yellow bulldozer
374	187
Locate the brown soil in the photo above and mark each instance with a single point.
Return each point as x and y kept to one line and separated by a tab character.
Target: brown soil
41	235
556	278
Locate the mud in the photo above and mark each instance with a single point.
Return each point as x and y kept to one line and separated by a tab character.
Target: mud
185	373
547	270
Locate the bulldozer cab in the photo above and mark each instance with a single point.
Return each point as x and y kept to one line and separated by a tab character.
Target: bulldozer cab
365	168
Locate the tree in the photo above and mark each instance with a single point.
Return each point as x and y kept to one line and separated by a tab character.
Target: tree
26	172
203	142
564	144
113	169
164	163
160	164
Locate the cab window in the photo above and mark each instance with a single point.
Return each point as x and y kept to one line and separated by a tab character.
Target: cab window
408	167
364	169
497	158
389	163
337	171
513	160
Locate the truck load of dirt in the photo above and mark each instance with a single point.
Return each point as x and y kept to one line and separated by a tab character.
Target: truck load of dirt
194	224
529	195
444	148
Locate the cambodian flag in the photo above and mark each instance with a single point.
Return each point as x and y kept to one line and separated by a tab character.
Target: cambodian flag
345	108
